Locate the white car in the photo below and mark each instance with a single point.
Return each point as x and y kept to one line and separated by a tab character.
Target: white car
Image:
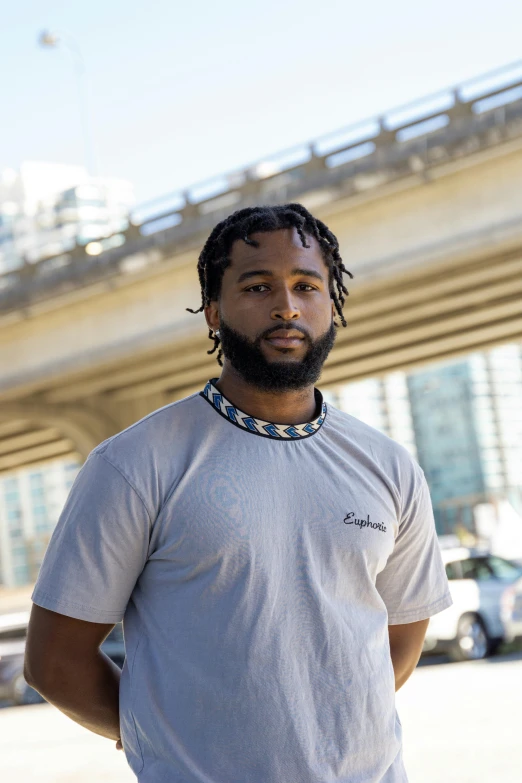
511	611
473	626
13	687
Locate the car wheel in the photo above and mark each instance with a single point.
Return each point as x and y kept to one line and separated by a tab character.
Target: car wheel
472	641
495	645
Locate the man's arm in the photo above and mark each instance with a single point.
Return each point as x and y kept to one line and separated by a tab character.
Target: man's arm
405	648
64	663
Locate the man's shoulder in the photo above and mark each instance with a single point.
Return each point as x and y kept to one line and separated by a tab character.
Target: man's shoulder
384	457
151	453
372	441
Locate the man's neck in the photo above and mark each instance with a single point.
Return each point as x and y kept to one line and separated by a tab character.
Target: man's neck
282	407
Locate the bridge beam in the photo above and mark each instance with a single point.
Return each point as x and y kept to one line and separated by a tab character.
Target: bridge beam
33	432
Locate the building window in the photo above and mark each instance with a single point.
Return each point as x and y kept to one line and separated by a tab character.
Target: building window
19	556
11	485
21	575
40	515
16	533
71	471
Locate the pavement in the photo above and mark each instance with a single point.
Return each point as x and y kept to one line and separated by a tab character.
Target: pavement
38	743
461	724
462	721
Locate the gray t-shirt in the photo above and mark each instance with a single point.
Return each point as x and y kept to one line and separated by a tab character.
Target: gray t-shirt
256	567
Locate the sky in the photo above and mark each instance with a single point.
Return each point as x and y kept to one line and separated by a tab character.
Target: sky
181	91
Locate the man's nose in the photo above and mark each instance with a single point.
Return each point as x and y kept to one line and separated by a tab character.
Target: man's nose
285	308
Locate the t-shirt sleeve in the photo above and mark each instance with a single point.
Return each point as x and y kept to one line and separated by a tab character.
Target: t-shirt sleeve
413	584
98	549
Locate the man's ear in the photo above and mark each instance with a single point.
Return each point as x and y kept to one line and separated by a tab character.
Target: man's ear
212	315
334	316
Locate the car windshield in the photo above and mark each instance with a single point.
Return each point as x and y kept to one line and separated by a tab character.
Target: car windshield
453	570
483	569
477	568
504	569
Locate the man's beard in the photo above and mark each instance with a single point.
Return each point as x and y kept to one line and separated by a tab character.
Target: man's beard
248	360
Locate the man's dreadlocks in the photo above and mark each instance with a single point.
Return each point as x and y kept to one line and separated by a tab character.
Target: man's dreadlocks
214	259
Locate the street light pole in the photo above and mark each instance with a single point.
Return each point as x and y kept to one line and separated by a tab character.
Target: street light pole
52	41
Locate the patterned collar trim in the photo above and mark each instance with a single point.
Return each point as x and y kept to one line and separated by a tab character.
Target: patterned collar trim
257	426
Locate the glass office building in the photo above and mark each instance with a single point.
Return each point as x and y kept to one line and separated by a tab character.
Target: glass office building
46	208
442	404
468	426
30	503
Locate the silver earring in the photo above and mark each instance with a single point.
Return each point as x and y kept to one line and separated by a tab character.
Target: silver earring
217	333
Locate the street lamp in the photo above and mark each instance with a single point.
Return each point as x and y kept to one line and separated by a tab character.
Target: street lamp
50	40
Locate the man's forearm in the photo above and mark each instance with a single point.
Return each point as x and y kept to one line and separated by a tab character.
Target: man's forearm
406	643
87	691
403	666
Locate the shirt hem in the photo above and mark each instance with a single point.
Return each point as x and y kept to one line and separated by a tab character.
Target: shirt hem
79	612
420	613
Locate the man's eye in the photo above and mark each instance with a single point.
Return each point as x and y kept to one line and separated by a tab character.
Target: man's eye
263	286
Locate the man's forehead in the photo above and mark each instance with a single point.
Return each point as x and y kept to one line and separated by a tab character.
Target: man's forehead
274	243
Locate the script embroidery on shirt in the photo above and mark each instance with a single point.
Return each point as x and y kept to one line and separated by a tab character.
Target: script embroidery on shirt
351	520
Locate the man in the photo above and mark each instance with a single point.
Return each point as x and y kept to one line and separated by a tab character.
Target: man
274	560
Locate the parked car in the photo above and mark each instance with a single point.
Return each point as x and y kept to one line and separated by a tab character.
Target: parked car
511	611
114	646
473	626
13	635
13	687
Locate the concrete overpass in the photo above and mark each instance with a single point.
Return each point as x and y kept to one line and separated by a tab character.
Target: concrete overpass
426	202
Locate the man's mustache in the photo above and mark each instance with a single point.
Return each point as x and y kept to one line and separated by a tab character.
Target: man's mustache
290	327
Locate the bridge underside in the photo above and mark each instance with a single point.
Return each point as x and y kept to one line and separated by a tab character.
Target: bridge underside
23	441
427	217
416	317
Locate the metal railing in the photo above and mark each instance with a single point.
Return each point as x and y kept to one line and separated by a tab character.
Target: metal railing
405	141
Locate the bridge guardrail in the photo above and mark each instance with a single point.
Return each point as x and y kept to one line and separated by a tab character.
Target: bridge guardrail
405	141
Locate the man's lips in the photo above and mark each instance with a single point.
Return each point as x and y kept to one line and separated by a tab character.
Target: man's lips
285	339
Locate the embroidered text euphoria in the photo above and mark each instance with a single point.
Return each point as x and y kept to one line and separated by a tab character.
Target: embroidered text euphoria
350	520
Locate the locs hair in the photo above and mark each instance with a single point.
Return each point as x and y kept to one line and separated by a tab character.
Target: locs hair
214	258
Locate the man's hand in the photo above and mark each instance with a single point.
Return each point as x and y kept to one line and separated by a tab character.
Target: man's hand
119	745
406	643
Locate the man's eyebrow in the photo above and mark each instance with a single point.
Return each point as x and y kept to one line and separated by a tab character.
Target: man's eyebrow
308	273
254	273
267	273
